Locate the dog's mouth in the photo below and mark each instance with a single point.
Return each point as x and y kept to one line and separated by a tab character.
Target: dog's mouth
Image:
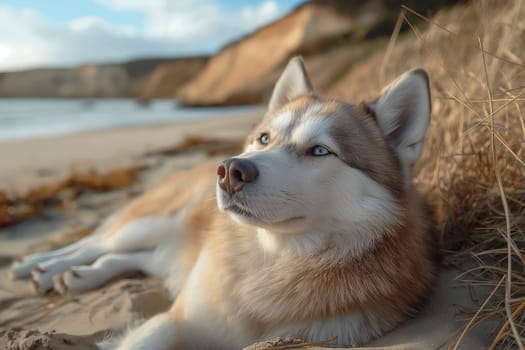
236	209
245	213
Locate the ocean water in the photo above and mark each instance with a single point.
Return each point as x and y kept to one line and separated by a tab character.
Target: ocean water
29	118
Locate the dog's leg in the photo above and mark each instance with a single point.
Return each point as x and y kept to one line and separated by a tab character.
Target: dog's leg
148	232
159	333
28	263
181	328
83	278
24	267
137	235
191	323
43	274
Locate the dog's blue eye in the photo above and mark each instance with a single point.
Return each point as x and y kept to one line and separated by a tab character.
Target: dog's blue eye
319	151
264	139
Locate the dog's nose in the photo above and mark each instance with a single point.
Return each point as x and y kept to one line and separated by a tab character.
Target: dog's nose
234	173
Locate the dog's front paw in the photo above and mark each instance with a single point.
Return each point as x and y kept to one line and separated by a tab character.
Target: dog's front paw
21	268
42	280
76	279
69	281
59	285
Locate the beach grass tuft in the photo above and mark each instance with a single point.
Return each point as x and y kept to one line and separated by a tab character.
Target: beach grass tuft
473	168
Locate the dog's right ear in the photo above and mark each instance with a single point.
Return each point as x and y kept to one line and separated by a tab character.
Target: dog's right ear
293	82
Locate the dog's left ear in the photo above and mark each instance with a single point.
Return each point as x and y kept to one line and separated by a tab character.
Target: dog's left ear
293	82
403	113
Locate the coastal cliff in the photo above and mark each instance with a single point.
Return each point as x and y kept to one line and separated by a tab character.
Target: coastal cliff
137	78
244	70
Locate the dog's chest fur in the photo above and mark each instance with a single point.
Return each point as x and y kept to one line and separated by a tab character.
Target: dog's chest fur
273	291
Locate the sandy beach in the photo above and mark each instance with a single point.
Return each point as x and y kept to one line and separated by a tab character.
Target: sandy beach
25	162
29	321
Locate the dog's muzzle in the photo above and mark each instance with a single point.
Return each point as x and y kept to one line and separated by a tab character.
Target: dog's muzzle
234	173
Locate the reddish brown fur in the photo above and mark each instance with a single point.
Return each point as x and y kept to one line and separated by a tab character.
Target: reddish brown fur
394	277
171	195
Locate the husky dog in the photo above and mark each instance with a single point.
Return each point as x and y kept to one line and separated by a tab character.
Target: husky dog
314	231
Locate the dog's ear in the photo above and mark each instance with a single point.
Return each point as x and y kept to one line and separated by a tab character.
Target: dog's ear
403	113
293	82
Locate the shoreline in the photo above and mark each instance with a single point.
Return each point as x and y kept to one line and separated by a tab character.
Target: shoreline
33	161
44	119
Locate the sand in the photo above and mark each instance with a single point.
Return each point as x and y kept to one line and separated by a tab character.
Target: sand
29	321
25	162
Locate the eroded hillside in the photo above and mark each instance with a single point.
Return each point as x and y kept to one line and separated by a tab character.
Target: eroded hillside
244	71
138	78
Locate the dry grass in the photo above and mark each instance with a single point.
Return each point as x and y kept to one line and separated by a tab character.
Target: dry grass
473	166
477	179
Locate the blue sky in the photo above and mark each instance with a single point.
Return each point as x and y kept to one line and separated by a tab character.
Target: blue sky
43	33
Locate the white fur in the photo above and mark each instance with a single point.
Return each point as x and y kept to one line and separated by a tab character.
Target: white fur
281	123
361	204
313	109
83	278
24	267
57	268
302	192
147	233
159	333
197	328
311	132
205	328
44	273
283	120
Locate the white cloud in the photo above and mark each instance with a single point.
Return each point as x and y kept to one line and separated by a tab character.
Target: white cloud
198	19
264	12
34	41
23	39
5	52
91	23
170	28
